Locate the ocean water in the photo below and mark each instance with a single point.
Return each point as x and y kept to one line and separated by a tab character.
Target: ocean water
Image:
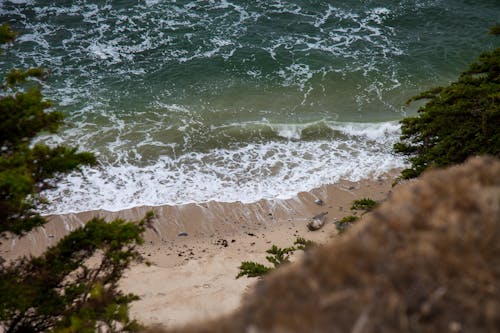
196	100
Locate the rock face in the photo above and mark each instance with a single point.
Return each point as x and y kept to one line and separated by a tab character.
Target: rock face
427	260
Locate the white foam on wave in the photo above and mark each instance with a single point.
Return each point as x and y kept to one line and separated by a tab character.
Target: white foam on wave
152	2
378	132
292	132
274	170
384	132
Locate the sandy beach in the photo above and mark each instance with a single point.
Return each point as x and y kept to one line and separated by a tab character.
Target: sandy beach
195	249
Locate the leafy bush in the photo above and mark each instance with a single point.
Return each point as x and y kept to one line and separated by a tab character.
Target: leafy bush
279	256
364	204
303	244
345	222
252	269
458	121
6	35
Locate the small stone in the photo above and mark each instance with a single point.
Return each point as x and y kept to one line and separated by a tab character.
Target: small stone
318	202
182	234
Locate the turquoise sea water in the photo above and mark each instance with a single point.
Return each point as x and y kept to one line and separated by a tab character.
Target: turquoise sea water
189	101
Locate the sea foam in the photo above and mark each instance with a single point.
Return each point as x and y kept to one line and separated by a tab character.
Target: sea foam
272	170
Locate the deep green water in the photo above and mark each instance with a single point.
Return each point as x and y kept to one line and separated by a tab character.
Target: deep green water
236	100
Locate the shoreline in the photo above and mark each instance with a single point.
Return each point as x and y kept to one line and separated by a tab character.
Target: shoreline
199	219
195	249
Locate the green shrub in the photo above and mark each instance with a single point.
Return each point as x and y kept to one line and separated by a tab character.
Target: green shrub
279	256
364	204
252	269
345	223
6	35
303	244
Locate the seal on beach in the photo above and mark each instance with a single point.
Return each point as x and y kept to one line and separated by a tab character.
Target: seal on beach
317	222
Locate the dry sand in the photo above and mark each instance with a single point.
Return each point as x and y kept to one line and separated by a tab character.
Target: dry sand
193	277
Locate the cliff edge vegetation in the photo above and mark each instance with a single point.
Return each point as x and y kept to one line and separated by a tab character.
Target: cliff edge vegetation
73	286
458	121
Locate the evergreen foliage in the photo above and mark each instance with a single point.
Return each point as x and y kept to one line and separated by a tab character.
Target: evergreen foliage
63	290
252	269
303	244
364	204
26	170
73	286
6	35
345	223
278	256
458	121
